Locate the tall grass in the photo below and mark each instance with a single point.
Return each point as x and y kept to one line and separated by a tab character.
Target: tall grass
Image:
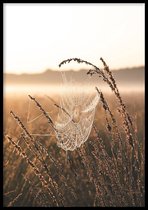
102	172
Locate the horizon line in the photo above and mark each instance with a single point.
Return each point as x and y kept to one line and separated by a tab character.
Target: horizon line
81	69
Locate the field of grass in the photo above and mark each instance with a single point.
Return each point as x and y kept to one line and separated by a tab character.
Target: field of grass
77	174
107	170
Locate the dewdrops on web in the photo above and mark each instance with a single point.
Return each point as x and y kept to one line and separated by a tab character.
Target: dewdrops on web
76	115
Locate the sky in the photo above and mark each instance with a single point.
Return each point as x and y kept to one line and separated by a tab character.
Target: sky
39	36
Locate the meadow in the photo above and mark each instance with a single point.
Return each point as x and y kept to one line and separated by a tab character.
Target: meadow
107	170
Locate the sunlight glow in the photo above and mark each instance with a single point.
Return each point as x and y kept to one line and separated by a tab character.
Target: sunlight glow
40	36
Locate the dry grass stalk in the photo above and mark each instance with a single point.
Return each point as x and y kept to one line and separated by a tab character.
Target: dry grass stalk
39	155
43	111
108	78
34	168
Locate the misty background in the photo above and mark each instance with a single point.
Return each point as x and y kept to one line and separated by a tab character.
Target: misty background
131	79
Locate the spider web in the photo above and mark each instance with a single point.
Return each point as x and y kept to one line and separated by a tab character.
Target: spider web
76	116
